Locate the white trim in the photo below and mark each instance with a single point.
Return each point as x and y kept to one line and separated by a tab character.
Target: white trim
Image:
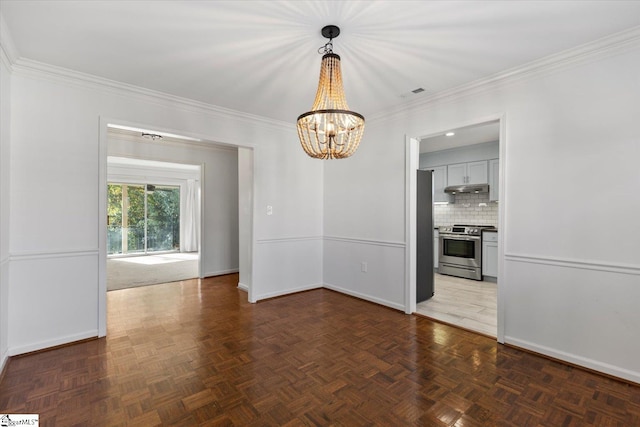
4	58
41	345
365	241
365	297
502	226
243	287
575	359
411	165
220	272
4	358
286	292
609	267
288	239
31	255
8	51
253	243
202	224
28	67
598	49
103	144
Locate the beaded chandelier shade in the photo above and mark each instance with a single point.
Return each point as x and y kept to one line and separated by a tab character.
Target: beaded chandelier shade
330	130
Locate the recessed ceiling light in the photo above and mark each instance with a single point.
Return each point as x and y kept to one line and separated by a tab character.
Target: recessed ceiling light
449	134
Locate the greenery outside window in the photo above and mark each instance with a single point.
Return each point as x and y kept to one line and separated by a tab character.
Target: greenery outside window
142	218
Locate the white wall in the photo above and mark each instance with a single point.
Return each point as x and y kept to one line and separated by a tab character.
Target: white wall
571	165
219	246
5	164
296	222
54	203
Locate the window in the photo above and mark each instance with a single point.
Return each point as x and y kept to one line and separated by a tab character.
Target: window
142	218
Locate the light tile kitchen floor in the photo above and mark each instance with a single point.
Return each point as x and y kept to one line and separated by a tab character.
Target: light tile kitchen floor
466	303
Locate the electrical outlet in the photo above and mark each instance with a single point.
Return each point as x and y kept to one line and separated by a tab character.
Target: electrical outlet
363	266
269	210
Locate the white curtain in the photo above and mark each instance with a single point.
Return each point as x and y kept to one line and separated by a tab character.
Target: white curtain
190	239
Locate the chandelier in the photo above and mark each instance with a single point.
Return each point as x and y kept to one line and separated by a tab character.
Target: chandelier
330	130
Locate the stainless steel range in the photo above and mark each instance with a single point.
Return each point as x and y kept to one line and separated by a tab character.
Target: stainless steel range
461	250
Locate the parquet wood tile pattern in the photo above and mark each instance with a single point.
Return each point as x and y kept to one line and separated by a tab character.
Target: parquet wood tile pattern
196	353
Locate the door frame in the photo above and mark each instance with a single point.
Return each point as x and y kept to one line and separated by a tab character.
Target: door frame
104	123
412	163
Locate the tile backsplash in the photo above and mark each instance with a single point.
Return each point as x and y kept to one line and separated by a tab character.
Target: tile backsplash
466	210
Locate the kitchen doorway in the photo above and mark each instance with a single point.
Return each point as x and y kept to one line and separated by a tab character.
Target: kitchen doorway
464	157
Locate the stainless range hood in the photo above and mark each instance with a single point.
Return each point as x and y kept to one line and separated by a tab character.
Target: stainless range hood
467	188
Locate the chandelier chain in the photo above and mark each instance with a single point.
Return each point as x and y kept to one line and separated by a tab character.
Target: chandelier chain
327	48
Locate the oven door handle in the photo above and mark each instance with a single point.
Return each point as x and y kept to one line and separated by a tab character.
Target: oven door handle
467	238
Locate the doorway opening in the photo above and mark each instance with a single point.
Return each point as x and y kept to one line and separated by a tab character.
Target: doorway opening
467	157
151	226
165	162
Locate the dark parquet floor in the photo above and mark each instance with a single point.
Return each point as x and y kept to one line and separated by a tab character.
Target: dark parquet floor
196	353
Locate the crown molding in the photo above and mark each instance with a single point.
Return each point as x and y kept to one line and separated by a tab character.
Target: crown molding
8	51
588	52
36	69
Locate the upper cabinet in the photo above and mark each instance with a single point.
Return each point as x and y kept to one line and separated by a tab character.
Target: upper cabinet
439	183
494	180
468	173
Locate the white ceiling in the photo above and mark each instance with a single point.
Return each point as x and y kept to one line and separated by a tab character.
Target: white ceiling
468	135
260	57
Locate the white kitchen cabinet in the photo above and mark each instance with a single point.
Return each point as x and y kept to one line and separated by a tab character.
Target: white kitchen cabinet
467	173
457	174
439	184
436	247
494	180
490	253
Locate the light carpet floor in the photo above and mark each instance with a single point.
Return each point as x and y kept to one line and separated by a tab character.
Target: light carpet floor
131	272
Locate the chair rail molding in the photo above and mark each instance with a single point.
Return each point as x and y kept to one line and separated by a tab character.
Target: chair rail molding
575	263
49	254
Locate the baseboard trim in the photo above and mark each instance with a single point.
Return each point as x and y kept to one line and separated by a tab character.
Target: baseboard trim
49	344
364	297
606	369
287	292
243	287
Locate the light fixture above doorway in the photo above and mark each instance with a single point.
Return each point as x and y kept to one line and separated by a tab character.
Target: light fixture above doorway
330	130
151	136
